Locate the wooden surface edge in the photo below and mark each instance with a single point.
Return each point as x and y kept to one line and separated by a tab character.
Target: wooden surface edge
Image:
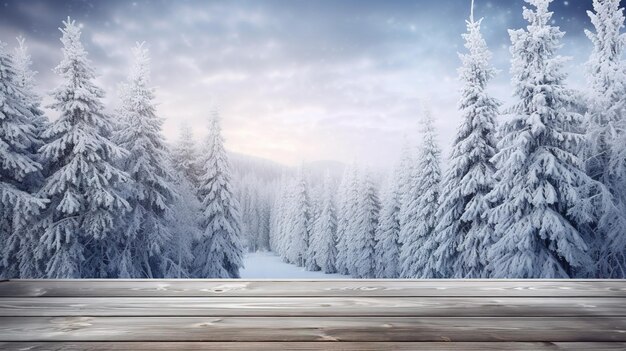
251	288
311	346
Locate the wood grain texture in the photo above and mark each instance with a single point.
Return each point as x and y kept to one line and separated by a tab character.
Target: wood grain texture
314	306
346	315
366	288
310	346
456	329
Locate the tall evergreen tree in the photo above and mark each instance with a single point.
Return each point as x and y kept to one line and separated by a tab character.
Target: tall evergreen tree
298	224
254	196
361	258
219	252
264	208
26	82
185	155
78	223
346	214
150	193
18	165
388	232
606	130
539	173
462	228
277	215
419	248
184	227
324	234
284	218
29	265
405	173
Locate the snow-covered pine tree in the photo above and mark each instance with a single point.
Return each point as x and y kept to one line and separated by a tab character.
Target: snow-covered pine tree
285	213
253	194
26	82
219	252
150	191
538	170
18	165
265	204
78	224
606	133
248	199
314	239
417	255
324	234
316	195
346	212
298	224
277	215
462	230
404	172
29	265
388	232
361	258
184	228
185	155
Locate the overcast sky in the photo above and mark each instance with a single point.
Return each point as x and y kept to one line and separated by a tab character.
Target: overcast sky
295	80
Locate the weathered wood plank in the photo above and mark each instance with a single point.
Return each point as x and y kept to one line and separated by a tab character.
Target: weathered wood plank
314	306
530	329
439	288
310	346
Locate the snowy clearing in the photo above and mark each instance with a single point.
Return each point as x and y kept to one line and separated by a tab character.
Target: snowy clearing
266	265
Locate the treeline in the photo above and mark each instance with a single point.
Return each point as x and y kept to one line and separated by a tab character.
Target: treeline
100	195
542	195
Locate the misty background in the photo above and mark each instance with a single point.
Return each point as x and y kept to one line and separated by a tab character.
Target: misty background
294	80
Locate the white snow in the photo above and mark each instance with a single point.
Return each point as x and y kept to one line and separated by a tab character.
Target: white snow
267	265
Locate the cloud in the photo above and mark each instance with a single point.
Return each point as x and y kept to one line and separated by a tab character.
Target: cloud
295	80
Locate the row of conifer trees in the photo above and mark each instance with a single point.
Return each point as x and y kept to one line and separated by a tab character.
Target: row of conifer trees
542	195
92	194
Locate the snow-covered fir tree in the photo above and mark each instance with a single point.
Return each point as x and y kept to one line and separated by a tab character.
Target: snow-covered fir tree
346	215
539	173
462	230
18	166
219	252
277	217
417	255
606	132
283	217
388	232
29	265
184	228
26	82
298	224
264	212
254	196
78	224
404	171
324	234
150	193
361	246
185	153
247	196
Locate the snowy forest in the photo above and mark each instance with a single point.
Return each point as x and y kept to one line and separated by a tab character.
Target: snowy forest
533	189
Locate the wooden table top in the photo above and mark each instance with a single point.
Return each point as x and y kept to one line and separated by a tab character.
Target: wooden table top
347	315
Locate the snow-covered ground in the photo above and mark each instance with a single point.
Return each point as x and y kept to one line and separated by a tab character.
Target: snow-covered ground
266	265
